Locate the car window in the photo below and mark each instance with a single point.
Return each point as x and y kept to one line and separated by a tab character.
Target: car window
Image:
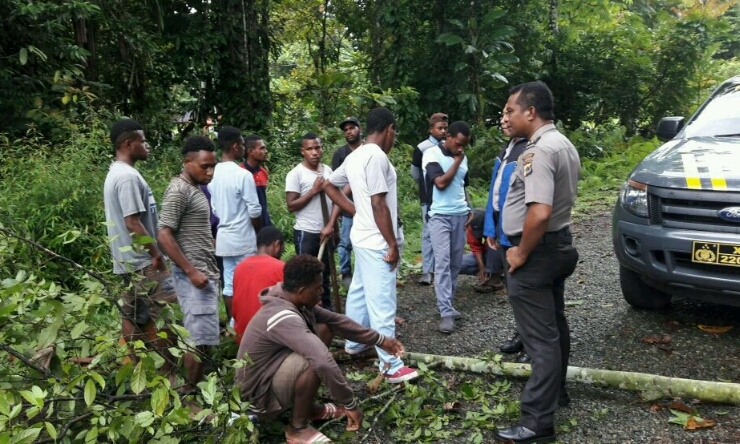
719	116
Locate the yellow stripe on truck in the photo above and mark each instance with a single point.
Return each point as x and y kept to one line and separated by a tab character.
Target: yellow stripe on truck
691	170
715	173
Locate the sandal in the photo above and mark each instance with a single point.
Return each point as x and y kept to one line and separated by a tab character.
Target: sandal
316	438
331	411
492	285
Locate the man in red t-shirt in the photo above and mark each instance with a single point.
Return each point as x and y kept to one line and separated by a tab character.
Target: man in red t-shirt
254	274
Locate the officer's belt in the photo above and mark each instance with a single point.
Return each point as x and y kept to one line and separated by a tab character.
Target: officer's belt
561	236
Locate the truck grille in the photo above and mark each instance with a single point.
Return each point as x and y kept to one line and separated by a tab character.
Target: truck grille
692	209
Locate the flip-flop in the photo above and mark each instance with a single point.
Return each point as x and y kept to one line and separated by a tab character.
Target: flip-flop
318	438
331	411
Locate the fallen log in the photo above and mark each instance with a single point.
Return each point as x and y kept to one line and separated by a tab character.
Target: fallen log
651	386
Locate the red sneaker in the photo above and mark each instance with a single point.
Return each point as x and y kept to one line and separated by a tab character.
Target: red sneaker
403	374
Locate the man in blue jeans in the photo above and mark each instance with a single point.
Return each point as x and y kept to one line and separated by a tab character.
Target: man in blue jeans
352	134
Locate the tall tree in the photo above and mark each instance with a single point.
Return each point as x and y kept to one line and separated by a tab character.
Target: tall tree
241	86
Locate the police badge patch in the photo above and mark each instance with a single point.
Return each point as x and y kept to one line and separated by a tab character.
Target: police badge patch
527	163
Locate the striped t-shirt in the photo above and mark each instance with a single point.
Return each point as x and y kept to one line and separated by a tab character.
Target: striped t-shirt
186	212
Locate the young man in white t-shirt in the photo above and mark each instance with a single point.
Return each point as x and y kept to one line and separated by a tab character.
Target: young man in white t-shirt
304	195
235	202
371	299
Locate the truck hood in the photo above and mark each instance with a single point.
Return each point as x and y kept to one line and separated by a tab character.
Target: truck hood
708	163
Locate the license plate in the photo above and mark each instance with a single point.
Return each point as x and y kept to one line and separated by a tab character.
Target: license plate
718	253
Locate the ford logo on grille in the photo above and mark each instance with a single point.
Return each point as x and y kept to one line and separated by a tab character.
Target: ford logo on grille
730	214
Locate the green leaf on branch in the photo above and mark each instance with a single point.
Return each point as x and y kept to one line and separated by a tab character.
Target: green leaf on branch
144	419
138	379
450	39
90	392
78	330
160	400
27	436
23	56
51	430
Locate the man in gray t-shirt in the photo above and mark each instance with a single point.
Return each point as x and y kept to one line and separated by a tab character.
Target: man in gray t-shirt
131	216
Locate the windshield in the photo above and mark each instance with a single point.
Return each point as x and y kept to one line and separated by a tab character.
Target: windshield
719	116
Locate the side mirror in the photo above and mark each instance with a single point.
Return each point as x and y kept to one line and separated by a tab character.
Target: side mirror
668	127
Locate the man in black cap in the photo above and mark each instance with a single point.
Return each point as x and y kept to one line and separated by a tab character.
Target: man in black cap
352	134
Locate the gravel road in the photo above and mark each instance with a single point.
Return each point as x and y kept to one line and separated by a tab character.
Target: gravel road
606	334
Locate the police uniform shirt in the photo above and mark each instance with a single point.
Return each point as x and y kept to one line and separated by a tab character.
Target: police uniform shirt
547	173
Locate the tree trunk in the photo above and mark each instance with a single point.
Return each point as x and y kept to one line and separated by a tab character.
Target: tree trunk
651	386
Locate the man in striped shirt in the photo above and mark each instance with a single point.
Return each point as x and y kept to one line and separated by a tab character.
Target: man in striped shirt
185	236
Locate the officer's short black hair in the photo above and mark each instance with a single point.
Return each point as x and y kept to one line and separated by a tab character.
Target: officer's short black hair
378	119
301	271
537	95
268	235
458	127
227	136
123	130
193	144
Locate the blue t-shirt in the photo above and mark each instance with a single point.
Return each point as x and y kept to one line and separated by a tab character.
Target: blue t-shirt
450	201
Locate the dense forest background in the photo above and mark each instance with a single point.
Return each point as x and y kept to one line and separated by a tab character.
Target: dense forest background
69	69
280	67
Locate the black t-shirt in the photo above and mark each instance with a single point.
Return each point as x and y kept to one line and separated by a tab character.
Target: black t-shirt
337	160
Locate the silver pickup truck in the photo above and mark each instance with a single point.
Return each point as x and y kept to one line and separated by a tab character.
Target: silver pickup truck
676	225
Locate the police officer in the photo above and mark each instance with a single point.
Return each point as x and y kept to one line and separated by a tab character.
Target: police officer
536	219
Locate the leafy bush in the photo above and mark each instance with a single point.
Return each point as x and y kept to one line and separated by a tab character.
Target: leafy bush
593	141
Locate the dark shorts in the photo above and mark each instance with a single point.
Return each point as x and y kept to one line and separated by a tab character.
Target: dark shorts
147	292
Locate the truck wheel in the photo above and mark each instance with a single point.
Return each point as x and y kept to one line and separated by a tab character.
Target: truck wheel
639	294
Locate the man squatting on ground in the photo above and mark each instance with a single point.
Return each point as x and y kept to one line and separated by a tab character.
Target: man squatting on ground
503	168
445	170
287	359
437	131
537	218
185	236
235	202
352	134
371	299
131	214
305	197
482	262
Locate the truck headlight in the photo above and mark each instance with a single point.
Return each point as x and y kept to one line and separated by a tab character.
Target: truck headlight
633	198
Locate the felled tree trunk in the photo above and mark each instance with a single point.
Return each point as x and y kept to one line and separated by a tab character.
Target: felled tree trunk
651	386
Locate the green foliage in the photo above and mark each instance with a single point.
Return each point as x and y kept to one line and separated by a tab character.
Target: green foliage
602	176
445	406
73	381
486	54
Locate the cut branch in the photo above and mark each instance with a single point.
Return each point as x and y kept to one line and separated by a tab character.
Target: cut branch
650	385
29	362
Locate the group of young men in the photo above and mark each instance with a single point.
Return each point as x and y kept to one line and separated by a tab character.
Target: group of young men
286	323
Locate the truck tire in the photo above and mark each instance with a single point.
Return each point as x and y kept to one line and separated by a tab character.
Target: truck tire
639	294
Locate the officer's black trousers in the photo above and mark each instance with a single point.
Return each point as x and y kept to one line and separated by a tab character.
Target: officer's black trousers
536	294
